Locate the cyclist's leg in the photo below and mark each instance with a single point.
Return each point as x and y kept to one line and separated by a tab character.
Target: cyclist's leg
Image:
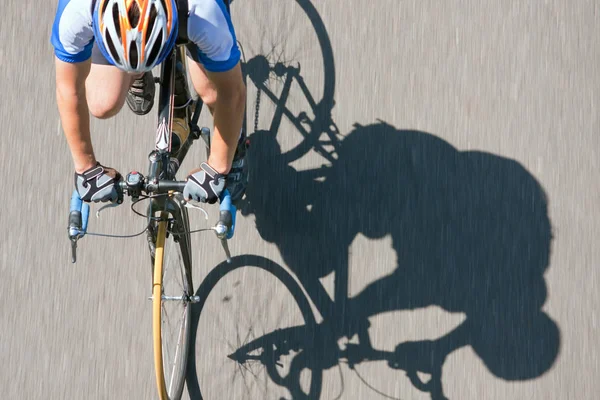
106	87
202	84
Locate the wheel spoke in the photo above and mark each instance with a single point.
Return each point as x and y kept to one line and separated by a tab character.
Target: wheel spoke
178	349
174	314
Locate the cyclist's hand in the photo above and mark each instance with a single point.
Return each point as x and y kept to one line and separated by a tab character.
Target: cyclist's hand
98	183
204	184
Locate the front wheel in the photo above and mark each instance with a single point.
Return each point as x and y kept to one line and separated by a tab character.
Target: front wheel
171	291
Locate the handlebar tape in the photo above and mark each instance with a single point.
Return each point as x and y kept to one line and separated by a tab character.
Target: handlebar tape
79	213
227	213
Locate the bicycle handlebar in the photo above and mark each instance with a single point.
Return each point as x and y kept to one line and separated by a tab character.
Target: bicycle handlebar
134	185
78	215
79	211
159	187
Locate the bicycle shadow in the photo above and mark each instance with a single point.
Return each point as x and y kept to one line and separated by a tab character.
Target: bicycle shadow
470	230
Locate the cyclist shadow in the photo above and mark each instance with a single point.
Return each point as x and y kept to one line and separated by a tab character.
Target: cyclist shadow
470	230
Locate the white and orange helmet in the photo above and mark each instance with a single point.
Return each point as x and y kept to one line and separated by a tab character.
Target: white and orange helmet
135	35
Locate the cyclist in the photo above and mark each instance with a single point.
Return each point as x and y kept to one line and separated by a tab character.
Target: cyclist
104	53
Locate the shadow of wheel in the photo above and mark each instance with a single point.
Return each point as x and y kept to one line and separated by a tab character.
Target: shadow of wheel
281	41
240	302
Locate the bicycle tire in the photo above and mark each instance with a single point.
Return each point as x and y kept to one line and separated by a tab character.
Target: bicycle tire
323	123
172	261
321	94
218	275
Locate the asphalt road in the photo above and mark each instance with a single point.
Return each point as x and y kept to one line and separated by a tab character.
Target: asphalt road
459	197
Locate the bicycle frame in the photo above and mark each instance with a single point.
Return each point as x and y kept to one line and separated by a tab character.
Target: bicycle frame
162	166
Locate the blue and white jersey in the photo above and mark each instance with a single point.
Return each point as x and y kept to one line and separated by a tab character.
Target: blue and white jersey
209	29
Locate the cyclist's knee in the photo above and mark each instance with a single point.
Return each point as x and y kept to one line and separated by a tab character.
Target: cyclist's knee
106	89
209	97
104	109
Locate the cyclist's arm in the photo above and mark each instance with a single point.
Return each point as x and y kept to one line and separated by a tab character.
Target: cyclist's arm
72	39
73	110
210	29
228	116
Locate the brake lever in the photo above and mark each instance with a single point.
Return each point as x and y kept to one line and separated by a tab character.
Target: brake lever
73	250
226	249
78	219
118	202
225	228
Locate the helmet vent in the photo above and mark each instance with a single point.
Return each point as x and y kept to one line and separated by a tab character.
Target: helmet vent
133	55
151	21
134	14
155	49
112	50
104	6
116	19
164	4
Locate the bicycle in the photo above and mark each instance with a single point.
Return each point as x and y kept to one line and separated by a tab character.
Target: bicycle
168	229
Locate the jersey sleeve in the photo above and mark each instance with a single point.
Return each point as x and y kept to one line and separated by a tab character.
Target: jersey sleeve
211	30
72	33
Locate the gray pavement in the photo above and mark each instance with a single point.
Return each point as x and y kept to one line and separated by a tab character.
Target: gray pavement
460	200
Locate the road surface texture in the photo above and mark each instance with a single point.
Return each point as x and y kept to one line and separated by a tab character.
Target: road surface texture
448	170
